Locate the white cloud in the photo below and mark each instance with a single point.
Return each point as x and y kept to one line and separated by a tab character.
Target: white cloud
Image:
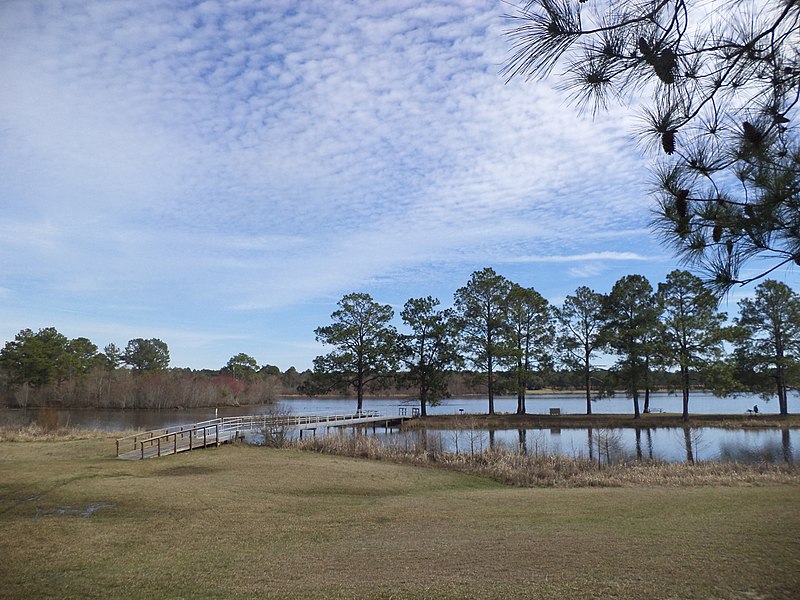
599	256
587	270
194	160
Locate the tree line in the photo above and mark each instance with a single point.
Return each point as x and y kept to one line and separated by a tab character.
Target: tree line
497	338
46	368
509	335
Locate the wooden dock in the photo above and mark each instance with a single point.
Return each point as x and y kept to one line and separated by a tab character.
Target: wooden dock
182	438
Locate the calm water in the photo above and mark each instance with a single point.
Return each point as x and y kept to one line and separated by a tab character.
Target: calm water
699	403
672	444
117	420
669	444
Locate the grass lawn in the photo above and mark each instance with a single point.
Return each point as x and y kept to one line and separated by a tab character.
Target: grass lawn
243	521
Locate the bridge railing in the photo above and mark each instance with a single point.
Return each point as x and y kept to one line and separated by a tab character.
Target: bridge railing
224	426
132	442
255	422
168	442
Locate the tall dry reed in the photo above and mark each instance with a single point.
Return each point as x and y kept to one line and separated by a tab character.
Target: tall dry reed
512	468
36	433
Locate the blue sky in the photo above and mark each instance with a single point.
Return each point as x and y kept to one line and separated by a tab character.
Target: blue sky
219	174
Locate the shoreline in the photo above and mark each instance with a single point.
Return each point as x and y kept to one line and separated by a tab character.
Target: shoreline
615	421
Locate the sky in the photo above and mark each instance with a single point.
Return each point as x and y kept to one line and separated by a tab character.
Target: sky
218	174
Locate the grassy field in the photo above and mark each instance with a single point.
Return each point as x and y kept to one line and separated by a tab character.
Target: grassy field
243	521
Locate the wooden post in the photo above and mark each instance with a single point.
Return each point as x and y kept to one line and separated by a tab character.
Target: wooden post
175	444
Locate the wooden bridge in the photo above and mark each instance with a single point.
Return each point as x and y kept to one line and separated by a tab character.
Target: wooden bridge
181	438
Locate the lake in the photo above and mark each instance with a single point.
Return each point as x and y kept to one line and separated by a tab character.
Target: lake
699	403
118	419
669	444
610	445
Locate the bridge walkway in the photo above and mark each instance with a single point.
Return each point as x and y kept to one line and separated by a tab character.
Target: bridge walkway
182	438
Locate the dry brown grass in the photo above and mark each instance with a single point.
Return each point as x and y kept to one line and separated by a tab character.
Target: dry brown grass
248	522
513	468
33	432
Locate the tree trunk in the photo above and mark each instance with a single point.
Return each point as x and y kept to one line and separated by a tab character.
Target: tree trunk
587	382
490	385
360	383
636	413
685	389
522	370
780	375
783	405
783	401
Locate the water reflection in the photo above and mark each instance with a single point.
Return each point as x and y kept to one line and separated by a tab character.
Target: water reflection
597	444
786	445
118	420
701	403
687	442
772	450
609	446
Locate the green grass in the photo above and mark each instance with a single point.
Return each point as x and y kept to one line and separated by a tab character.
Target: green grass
248	522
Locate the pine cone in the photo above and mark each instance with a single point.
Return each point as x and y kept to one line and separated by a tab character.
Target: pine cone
681	206
664	66
645	49
751	134
668	141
